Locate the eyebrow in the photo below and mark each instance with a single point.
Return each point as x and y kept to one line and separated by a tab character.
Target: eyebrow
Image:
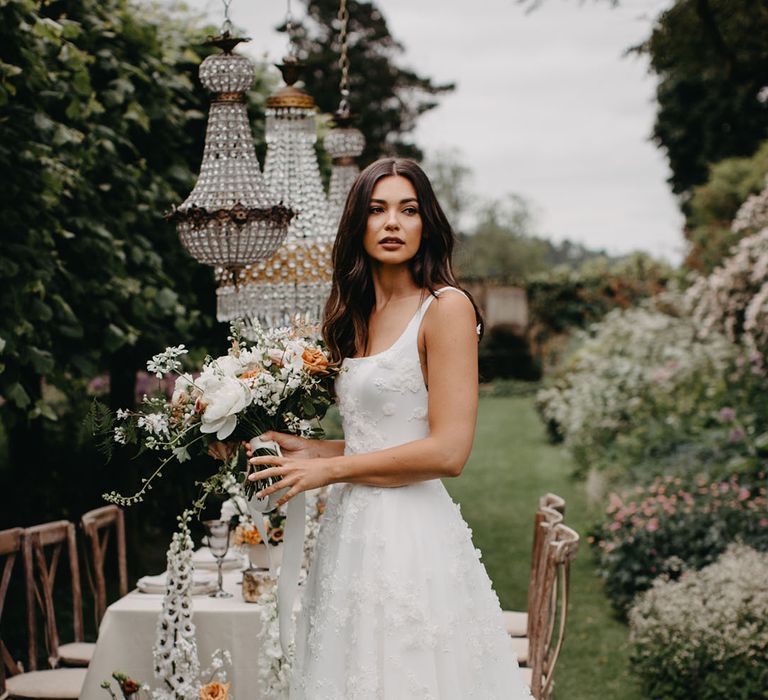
402	201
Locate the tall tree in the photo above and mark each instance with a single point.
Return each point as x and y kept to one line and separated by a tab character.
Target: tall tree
711	59
387	98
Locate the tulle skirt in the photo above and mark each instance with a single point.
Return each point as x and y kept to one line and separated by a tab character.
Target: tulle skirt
398	605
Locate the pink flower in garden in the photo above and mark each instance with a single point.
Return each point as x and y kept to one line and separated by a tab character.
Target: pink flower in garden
727	414
615	525
763	522
652	525
736	435
743	494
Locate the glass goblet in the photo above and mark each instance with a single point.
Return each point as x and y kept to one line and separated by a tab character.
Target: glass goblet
217	533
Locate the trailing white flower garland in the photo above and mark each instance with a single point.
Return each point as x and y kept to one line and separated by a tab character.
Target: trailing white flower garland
177	666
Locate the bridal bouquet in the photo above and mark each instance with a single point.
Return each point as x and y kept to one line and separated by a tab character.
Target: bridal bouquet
279	380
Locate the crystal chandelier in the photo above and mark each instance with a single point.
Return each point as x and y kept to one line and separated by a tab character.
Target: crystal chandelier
230	218
343	143
294	284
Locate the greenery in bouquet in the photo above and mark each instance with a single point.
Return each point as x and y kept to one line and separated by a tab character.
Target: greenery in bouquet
279	379
672	526
705	636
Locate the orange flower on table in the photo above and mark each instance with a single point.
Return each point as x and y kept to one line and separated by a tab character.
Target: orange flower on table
315	362
247	535
214	691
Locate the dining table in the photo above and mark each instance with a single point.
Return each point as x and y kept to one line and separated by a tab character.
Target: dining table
128	629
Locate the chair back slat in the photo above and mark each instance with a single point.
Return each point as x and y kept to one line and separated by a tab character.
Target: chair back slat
97	526
544	519
552	500
43	546
10	546
555	585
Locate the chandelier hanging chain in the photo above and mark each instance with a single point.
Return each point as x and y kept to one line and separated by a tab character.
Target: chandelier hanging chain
290	29
226	27
343	17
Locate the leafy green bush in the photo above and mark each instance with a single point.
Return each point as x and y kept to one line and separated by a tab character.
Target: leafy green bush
673	526
714	204
706	635
565	299
639	380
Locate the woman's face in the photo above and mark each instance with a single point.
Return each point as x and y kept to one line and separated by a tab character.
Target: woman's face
394	228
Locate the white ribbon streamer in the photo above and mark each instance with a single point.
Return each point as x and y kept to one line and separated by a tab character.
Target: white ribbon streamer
293	547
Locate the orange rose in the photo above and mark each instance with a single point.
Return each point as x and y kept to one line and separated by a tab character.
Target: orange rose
214	691
251	373
315	362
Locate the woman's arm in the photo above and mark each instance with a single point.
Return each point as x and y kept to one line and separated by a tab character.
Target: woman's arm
451	349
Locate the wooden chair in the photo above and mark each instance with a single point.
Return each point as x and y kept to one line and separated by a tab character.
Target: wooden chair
59	684
552	612
516	621
43	546
544	521
552	500
97	525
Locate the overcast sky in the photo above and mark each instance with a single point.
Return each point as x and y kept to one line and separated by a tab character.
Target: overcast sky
546	106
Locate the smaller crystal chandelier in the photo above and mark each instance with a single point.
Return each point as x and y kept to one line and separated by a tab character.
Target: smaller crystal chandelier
230	219
293	285
343	143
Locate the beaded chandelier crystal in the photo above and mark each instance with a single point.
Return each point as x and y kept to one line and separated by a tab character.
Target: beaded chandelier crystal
230	218
294	284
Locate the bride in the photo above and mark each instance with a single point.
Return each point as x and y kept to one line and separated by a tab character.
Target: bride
397	604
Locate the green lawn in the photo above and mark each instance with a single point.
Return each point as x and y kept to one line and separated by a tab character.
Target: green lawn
511	465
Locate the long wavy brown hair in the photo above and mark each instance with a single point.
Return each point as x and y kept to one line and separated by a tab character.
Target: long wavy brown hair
345	321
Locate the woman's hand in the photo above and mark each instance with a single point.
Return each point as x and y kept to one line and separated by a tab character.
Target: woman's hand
290	445
296	473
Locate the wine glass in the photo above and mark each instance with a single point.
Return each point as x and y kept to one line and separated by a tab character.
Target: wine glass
217	532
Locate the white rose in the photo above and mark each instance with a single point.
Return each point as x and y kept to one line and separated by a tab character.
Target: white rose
224	397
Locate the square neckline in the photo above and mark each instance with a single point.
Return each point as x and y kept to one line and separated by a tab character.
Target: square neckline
419	313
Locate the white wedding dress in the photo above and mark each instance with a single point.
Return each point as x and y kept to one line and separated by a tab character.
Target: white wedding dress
397	605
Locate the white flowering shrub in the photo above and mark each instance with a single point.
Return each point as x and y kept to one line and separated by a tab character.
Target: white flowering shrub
753	213
734	299
705	636
637	375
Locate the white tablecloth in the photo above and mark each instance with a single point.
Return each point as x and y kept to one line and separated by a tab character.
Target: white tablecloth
127	635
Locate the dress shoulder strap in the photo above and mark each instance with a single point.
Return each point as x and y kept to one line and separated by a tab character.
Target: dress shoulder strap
430	297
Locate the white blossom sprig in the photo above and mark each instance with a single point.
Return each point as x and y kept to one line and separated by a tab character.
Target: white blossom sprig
166	361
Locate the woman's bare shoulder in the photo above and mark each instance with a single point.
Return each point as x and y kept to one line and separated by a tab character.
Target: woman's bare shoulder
451	307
